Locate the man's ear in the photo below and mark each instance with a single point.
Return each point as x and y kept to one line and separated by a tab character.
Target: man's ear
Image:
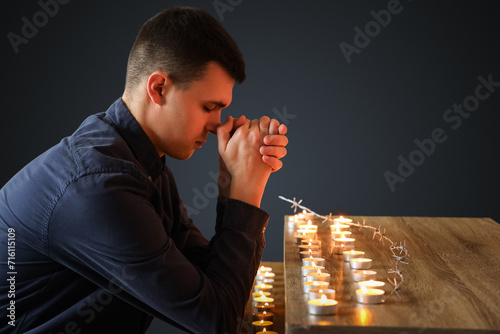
157	86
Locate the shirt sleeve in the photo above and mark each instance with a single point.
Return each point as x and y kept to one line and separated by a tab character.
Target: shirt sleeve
113	227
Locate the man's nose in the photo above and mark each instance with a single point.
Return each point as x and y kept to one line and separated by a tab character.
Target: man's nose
213	122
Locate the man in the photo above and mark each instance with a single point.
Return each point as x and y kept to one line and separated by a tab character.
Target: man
102	241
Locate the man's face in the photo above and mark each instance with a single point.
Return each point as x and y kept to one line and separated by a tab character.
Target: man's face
189	115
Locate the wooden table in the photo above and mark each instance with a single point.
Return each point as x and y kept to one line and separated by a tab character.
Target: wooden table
451	283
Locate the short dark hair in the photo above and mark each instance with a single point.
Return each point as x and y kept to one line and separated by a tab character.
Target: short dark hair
180	41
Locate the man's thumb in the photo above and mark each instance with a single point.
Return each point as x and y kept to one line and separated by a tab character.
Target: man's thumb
224	133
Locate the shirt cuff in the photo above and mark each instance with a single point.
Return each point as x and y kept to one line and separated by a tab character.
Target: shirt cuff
242	216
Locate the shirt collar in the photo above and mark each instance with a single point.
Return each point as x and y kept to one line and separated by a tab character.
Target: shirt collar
135	137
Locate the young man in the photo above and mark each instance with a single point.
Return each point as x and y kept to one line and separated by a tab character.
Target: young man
102	240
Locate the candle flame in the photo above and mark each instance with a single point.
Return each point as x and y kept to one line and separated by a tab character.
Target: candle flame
320	291
264	313
323	299
309	244
262	286
364	289
266	304
313	265
304	211
319	271
310	252
262	268
316	283
261	293
262	322
265	331
341	218
338	230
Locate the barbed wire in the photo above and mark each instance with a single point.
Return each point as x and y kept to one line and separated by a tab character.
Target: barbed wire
377	232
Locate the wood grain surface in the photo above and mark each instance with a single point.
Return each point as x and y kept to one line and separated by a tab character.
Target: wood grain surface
451	283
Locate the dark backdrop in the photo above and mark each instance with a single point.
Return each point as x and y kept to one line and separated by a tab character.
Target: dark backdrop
353	115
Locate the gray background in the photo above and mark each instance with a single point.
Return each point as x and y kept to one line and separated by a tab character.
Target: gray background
348	122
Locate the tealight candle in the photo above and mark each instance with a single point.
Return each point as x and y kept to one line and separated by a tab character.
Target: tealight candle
315	285
312	241
308	261
342	244
263	299
307	247
266	316
341	227
318	276
363	275
322	306
342	220
309	234
265	331
360	263
316	293
261	307
308	226
263	287
257	294
344	241
309	253
369	296
261	325
339	234
351	254
264	281
371	284
265	275
263	269
310	269
299	237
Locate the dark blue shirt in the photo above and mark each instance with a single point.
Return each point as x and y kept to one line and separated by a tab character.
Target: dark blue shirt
103	242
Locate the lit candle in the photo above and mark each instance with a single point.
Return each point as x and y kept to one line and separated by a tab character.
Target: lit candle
257	294
363	275
263	287
309	253
369	296
264	281
308	226
315	285
360	263
310	269
318	276
263	269
265	331
308	246
371	284
316	293
312	241
338	234
344	241
307	261
342	244
266	316
261	307
322	306
342	220
263	299
261	325
308	233
265	275
352	254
